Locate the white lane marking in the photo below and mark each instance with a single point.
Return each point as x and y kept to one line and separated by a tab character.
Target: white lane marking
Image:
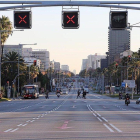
19	124
104	119
32	121
94	114
98	114
115	128
24	124
8	130
28	121
108	128
14	130
99	119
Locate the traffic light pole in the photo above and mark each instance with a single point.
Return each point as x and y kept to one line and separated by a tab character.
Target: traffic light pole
0	61
18	71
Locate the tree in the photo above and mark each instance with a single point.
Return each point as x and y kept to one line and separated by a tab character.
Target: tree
11	68
5	24
82	73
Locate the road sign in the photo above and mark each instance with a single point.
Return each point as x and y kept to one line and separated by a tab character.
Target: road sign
70	19
22	19
118	19
123	84
130	83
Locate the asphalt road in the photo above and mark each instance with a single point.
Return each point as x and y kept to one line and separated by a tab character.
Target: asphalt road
67	118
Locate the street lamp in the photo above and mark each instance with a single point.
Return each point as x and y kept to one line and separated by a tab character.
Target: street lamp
1	31
18	62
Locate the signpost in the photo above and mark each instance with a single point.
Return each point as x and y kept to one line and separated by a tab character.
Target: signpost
131	84
70	19
123	84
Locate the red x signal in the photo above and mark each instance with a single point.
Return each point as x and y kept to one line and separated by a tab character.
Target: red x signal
70	19
22	19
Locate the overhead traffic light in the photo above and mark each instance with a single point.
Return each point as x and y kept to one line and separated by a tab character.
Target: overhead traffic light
118	20
70	19
34	62
129	58
116	66
22	19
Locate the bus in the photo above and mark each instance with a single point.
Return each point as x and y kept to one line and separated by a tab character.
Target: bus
30	91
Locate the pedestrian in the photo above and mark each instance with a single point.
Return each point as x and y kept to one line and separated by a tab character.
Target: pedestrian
78	93
47	94
84	94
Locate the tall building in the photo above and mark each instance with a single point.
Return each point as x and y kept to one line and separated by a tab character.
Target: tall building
93	61
84	64
104	63
64	67
44	56
14	48
57	66
90	61
118	42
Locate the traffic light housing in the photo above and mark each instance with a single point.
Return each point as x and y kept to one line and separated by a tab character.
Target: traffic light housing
34	62
116	66
118	20
70	19
129	58
22	19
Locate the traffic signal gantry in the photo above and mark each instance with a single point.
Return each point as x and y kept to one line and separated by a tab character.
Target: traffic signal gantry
70	19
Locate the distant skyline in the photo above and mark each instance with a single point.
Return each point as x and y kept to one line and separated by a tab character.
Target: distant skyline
70	46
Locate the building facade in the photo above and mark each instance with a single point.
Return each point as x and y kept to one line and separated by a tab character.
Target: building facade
27	52
118	42
104	63
14	48
126	53
84	64
44	56
64	67
57	66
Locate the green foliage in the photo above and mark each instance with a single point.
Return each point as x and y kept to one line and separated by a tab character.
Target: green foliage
43	79
10	69
5	24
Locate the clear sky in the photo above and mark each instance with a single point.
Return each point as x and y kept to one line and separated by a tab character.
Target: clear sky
70	46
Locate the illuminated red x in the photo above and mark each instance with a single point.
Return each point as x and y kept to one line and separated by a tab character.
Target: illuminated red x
70	19
22	19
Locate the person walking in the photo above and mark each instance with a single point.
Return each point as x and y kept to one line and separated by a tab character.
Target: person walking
84	94
47	94
78	93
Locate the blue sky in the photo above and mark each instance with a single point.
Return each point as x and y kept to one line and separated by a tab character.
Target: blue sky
71	46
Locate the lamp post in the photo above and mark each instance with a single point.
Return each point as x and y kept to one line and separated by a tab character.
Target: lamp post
18	62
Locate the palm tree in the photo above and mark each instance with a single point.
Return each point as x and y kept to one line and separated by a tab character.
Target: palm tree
5	24
12	67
